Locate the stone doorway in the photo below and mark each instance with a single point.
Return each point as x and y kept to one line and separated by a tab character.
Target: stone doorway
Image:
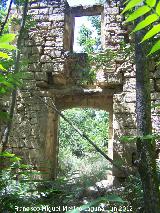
91	100
76	155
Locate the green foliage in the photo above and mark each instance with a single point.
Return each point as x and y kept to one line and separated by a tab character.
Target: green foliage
96	23
133	193
93	122
89	168
5	45
145	137
6	38
131	139
97	202
85	39
155	29
20	188
151	10
131	4
8	79
146	22
103	59
11	191
137	13
128	139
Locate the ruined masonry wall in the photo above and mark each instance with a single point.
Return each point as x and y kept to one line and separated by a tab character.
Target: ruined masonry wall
35	127
34	133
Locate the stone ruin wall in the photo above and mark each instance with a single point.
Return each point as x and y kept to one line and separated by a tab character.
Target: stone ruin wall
48	47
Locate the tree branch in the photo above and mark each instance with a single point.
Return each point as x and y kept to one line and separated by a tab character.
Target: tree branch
6	19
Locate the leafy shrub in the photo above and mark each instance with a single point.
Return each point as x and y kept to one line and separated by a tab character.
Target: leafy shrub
19	188
93	122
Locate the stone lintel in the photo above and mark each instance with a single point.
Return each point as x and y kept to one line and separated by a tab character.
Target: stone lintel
90	10
92	101
74	90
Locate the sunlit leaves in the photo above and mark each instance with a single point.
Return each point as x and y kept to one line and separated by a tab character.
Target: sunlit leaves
151	3
158	8
7	80
5	41
7	154
131	4
7	46
155	48
2	68
139	12
11	156
141	8
4	55
7	38
146	22
155	30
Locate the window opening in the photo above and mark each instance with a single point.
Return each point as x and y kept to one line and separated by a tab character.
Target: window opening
81	2
87	34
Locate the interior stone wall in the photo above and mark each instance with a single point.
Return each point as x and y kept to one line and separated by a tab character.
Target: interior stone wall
34	133
51	76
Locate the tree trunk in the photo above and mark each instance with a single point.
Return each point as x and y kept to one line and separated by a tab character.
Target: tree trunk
145	147
16	70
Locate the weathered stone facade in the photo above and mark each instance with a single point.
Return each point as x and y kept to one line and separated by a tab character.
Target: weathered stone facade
52	76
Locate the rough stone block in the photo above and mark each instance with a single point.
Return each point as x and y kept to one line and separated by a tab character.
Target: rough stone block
44	25
155	96
43	11
56	17
58	67
157	85
34	67
28	84
124	107
47	67
112	11
28	76
41	76
50	44
36	50
130	97
45	58
124	132
109	79
129	85
124	120
34	58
